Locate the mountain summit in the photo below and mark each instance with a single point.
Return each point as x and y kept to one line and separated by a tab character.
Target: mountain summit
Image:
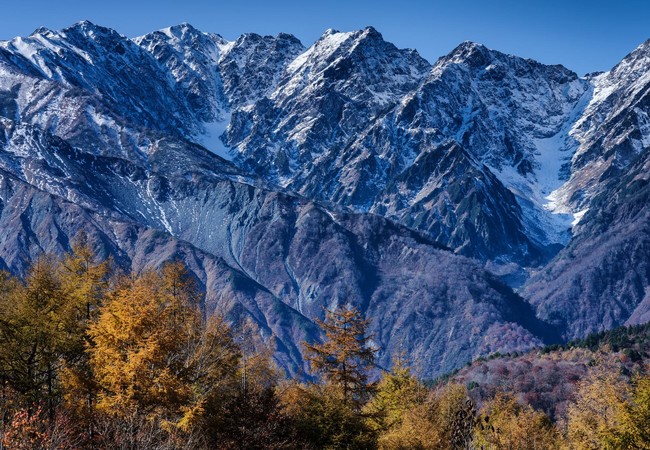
292	179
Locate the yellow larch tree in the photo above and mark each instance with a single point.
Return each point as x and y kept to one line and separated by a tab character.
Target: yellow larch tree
154	355
345	357
505	424
595	419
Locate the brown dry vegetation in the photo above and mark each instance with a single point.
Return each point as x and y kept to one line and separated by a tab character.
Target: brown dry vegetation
91	359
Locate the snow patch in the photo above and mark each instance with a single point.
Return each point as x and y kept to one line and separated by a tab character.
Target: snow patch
545	213
24	48
577	217
224	46
326	45
211	137
550	156
300	60
167	32
332	40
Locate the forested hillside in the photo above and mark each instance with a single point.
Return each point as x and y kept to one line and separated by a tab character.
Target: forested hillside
92	358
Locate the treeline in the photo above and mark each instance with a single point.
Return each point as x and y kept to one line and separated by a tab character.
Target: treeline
546	378
633	340
94	359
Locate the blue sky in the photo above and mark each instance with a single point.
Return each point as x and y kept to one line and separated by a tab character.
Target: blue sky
583	35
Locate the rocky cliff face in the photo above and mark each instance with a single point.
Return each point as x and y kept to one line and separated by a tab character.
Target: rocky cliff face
613	130
291	179
601	279
273	257
339	129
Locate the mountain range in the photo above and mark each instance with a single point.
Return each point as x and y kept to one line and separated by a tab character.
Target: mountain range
483	203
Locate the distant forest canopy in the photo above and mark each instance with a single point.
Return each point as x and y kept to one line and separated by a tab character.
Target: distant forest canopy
91	358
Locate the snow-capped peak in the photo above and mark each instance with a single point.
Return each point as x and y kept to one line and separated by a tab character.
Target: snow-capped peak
468	52
42	31
181	30
330	41
88	29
